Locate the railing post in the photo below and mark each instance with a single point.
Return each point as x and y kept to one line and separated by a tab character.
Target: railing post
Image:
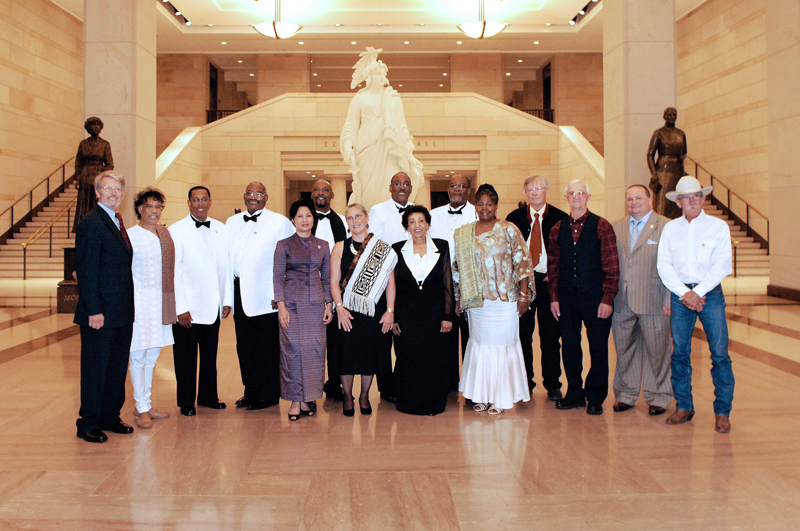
12	215
51	241
68	221
25	263
30	200
735	260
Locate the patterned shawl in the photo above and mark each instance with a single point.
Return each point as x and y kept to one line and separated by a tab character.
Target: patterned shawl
168	312
469	274
369	273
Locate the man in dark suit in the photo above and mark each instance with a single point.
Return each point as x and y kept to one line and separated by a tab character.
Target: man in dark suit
103	256
534	221
332	228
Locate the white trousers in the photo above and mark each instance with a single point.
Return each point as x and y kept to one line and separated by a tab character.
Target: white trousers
141	366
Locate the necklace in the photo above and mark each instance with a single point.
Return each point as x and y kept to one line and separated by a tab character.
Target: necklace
352	248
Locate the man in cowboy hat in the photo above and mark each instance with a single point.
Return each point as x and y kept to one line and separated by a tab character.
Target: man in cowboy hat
694	255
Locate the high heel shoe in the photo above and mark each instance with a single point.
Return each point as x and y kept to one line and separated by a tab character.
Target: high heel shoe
366	410
294	417
349	412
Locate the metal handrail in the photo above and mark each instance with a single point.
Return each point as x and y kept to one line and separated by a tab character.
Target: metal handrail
735	244
15	224
39	233
745	219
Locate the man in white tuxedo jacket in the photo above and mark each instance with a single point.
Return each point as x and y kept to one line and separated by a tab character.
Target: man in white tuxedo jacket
202	297
253	237
386	222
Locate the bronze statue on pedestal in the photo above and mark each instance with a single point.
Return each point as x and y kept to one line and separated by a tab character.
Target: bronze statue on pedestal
93	157
665	160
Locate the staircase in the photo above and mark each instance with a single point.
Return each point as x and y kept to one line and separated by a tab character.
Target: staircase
40	263
751	259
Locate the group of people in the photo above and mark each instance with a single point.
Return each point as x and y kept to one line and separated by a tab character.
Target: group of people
347	288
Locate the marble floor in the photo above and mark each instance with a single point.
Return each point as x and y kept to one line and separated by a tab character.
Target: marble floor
531	468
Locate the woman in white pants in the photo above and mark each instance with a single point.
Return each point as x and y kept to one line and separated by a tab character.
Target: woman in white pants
154	298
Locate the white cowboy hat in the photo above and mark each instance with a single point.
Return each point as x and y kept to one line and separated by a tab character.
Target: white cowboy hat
688	185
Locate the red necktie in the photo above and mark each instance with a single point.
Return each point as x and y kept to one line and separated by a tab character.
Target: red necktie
536	240
124	232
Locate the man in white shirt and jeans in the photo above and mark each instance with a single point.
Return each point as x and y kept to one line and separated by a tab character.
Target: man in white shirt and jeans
694	256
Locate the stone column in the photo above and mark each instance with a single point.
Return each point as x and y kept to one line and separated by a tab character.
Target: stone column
639	71
783	85
339	186
120	86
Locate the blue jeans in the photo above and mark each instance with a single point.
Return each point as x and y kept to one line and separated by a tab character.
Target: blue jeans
682	321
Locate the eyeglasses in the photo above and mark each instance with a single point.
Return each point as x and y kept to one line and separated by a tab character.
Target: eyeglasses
578	194
535	189
459	186
196	200
698	195
257	195
111	188
156	207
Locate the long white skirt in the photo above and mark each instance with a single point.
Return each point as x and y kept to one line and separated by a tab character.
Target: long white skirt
493	369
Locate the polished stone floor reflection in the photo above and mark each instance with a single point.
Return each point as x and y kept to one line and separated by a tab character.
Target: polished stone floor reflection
531	468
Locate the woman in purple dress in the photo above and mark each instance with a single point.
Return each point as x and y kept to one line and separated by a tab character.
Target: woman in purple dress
302	279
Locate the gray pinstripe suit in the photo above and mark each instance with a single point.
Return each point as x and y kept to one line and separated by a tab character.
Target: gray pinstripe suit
641	331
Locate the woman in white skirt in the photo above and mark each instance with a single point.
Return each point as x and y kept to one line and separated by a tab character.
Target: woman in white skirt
154	298
491	272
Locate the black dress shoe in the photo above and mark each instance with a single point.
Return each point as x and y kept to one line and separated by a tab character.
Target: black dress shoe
554	395
656	410
120	427
594	409
214	405
93	436
571	404
243	402
261	404
188	411
619	407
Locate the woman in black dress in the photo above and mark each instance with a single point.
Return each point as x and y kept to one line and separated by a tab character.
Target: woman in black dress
362	285
424	315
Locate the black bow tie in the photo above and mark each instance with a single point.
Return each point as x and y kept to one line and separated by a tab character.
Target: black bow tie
253	218
451	211
206	224
400	210
321	216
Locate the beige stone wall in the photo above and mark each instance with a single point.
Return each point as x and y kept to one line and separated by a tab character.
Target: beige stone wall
722	94
481	73
181	95
281	73
41	93
577	93
296	133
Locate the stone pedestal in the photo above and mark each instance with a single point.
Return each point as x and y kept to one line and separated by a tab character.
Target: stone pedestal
639	71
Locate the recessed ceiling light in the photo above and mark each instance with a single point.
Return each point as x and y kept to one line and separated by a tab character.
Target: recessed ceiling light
535	42
508	73
444	74
406	42
240	60
571	22
313	175
300	42
582	12
399	85
441	85
547	24
379	25
422	24
223	42
314	74
519	60
458	42
308	172
352	42
177	13
337	25
188	23
319	85
211	25
251	75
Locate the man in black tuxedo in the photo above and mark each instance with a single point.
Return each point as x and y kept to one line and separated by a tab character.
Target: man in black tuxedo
332	228
534	220
103	256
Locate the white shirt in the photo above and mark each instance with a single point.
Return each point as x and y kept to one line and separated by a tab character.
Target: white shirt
444	225
694	253
386	222
239	240
420	266
324	231
110	213
540	267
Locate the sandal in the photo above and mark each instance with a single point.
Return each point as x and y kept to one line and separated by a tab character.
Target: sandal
294	416
307	412
494	410
479	406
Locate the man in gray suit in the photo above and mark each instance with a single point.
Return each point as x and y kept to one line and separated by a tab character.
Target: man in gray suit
641	308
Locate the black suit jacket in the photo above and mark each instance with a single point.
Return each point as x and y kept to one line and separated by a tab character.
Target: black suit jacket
103	267
519	217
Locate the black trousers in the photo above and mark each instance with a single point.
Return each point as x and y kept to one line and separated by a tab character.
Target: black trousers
104	368
576	310
258	347
455	353
187	342
549	333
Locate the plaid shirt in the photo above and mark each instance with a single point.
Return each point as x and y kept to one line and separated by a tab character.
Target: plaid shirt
609	260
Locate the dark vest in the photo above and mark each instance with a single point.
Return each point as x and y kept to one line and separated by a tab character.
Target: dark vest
579	266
